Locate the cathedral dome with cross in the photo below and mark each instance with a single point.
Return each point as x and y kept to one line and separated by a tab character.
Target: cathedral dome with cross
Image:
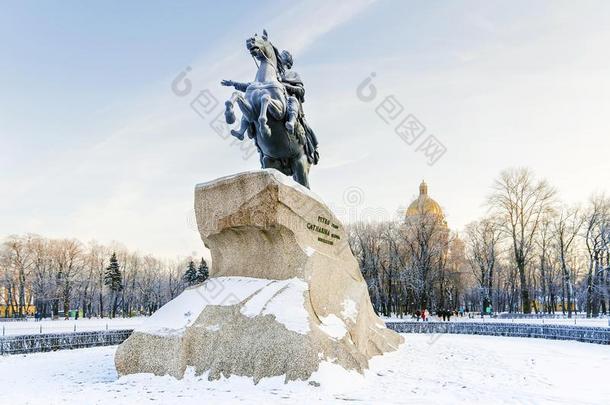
424	204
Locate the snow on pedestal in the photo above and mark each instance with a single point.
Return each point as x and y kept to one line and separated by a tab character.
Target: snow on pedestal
285	292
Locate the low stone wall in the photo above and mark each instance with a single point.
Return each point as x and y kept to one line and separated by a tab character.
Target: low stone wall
556	332
61	341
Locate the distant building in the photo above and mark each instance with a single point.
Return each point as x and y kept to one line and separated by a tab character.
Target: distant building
9	305
425	205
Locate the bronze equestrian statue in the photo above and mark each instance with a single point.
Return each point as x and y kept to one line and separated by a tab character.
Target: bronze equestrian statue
272	112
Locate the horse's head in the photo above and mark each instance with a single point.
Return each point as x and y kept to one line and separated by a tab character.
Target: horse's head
261	48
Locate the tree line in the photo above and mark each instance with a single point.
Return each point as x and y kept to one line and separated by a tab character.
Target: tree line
530	252
56	276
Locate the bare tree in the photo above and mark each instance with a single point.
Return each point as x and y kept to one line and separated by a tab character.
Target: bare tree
520	201
483	240
67	258
19	264
43	283
366	244
548	274
427	246
597	241
566	226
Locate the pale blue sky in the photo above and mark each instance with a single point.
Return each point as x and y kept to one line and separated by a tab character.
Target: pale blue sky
93	143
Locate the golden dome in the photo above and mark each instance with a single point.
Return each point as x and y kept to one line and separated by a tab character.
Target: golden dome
424	204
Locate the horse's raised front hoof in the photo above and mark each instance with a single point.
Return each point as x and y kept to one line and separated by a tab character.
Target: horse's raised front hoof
289	127
237	134
229	113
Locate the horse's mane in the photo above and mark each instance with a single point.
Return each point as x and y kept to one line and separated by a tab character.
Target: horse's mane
280	66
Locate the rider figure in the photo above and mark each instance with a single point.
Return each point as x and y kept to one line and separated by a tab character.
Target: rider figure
296	97
296	91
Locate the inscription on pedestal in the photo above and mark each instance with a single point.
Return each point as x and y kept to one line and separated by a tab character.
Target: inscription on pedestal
322	226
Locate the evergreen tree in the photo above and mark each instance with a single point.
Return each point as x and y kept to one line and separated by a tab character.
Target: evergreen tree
202	272
190	276
114	280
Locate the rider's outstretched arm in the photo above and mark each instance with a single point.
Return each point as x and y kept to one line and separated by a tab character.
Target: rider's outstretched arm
240	86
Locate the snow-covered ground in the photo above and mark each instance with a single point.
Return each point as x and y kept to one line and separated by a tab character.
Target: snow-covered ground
427	369
596	322
61	325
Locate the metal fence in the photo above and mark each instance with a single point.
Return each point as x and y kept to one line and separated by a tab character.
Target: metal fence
61	341
57	327
559	315
76	340
555	332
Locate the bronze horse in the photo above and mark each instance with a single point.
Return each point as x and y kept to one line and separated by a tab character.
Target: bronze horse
264	108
